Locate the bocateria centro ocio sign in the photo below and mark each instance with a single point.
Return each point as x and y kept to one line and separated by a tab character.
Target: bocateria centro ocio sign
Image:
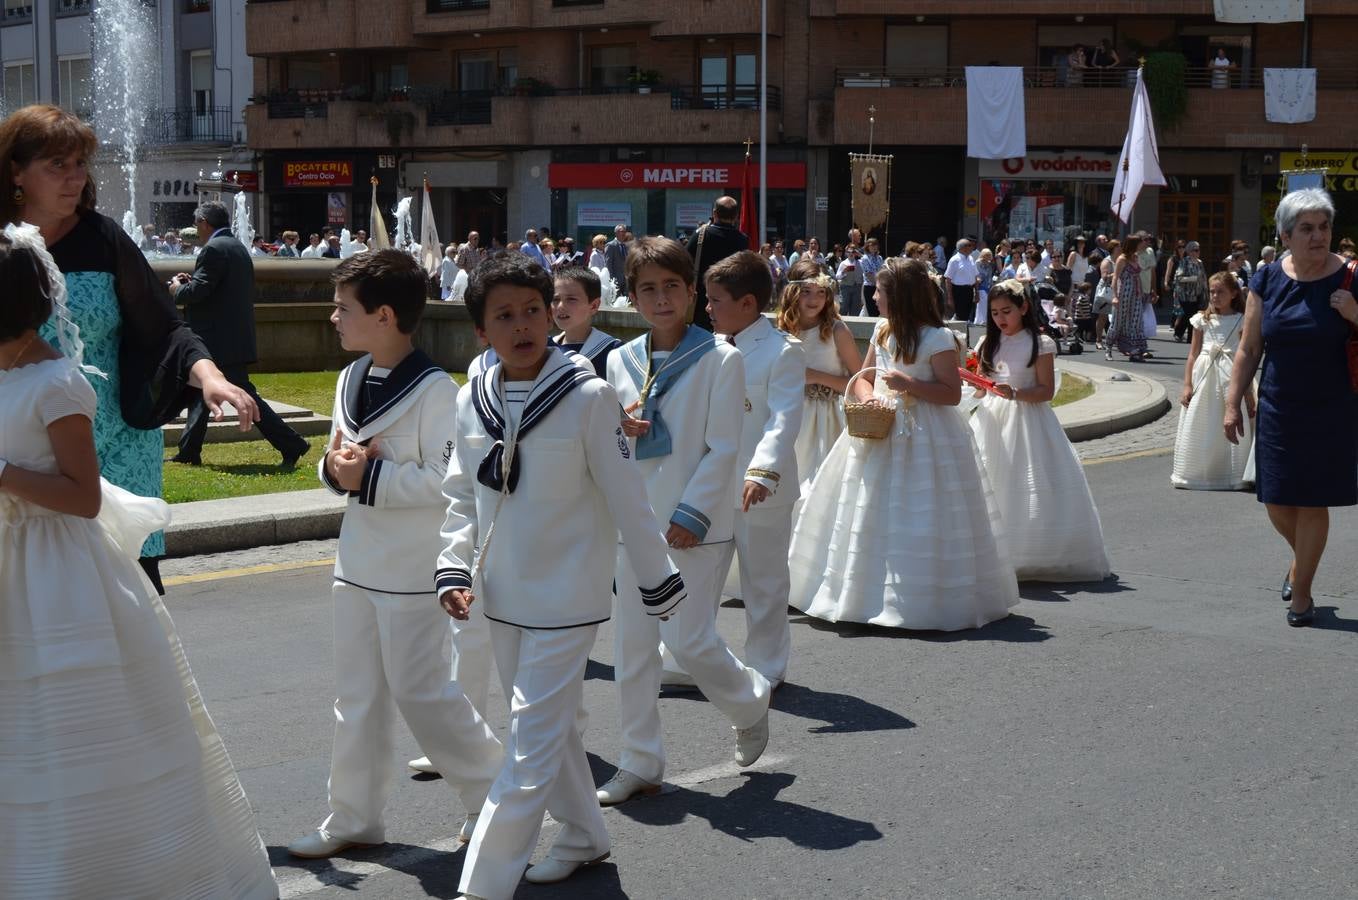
322	173
1041	165
659	176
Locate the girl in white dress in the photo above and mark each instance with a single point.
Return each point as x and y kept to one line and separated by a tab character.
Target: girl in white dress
113	781
1203	459
1049	516
808	311
903	531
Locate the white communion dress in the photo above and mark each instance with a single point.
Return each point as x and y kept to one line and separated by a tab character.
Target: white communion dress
822	408
113	780
1050	520
1203	459
903	531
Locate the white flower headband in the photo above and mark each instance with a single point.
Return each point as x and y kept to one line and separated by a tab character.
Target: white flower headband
68	333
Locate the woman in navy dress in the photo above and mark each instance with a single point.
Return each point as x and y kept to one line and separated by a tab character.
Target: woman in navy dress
1306	452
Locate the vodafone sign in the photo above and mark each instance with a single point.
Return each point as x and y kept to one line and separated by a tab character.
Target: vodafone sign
669	175
1075	165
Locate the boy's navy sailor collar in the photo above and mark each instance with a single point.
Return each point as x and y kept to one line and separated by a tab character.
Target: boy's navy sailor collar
560	374
598	342
403	385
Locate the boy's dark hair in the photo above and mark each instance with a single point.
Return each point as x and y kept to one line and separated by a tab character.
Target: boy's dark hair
386	278
664	252
744	273
512	268
28	294
588	281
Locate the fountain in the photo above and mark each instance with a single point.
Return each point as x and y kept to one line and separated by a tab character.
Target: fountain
240	221
126	56
403	236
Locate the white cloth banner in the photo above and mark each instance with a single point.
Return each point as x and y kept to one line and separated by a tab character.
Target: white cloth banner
431	254
1139	164
1260	10
996	126
1290	95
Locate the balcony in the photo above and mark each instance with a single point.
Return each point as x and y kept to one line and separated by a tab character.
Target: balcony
16	15
188	125
72	8
441	6
284	27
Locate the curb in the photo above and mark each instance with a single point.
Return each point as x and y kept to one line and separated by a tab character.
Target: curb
1115	406
240	523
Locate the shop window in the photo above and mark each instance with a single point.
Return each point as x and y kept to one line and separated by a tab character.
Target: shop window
610	66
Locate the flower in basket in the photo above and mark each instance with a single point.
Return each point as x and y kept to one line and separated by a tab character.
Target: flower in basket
973	362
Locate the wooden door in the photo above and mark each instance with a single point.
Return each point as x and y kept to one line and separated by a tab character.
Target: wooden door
1205	218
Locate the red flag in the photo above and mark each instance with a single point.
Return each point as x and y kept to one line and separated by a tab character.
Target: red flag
749	219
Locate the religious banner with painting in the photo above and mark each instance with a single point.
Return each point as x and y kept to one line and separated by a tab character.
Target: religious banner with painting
871	176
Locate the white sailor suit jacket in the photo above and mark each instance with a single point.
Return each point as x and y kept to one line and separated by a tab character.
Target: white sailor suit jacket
553	550
703	411
775	386
389	536
595	349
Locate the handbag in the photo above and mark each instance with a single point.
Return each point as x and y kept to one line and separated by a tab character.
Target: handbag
1351	347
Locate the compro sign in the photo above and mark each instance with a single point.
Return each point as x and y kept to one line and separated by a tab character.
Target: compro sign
1039	165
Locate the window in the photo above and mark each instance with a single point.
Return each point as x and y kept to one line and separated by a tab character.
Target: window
73	84
611	65
200	82
307	73
916	46
729	78
18	9
20	89
476	70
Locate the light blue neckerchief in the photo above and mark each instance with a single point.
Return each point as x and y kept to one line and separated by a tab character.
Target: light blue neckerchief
636	357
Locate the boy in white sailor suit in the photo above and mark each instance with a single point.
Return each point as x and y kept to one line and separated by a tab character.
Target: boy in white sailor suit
540	485
684	393
574	304
393	409
738	291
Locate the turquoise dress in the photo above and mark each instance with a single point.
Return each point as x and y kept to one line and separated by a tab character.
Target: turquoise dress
111	290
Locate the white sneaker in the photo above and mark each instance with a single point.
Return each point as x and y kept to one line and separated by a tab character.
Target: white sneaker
750	742
464	834
423	765
319	845
624	786
552	870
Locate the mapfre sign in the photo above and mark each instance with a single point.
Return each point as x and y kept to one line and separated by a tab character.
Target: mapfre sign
658	176
1041	166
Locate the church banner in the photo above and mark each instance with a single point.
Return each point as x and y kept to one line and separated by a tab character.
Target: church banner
871	175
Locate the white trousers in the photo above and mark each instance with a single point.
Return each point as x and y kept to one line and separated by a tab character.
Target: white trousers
690	634
760	548
545	767
389	656
473	657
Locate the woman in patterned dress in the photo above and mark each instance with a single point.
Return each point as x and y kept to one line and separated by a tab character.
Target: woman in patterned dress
1128	332
128	324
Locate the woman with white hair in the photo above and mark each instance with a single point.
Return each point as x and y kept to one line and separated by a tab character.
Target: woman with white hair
1301	312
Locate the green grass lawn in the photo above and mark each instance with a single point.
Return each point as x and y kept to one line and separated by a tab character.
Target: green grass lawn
252	467
1073	388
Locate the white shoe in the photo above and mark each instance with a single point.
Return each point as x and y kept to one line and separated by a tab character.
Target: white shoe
677	681
552	870
469	897
423	765
464	834
319	845
750	742
624	786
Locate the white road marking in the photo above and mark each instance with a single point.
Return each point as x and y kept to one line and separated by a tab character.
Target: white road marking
351	872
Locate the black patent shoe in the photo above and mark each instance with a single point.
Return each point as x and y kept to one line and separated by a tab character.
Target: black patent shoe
1287	587
1302	619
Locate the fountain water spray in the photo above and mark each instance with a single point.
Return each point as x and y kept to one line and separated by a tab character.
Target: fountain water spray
126	64
240	222
403	236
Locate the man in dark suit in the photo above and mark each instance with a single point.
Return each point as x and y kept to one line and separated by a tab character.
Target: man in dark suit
615	257
219	305
712	243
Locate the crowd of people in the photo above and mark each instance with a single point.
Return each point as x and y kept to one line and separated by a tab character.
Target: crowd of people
574	479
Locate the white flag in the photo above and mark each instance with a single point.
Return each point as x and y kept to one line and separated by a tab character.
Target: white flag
1139	164
431	252
377	226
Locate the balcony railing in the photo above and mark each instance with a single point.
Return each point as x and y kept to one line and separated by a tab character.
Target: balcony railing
72	7
1062	77
459	108
189	125
739	96
18	14
440	6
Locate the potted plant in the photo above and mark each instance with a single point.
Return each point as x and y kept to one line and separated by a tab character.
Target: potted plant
644	79
531	87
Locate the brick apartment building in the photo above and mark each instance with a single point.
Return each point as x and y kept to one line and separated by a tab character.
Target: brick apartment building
578	114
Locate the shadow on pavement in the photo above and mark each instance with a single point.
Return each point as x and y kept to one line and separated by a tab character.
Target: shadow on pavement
597	671
1327	620
752	810
1060	592
1012	629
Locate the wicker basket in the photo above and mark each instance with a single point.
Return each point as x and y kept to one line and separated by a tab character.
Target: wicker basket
872	419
